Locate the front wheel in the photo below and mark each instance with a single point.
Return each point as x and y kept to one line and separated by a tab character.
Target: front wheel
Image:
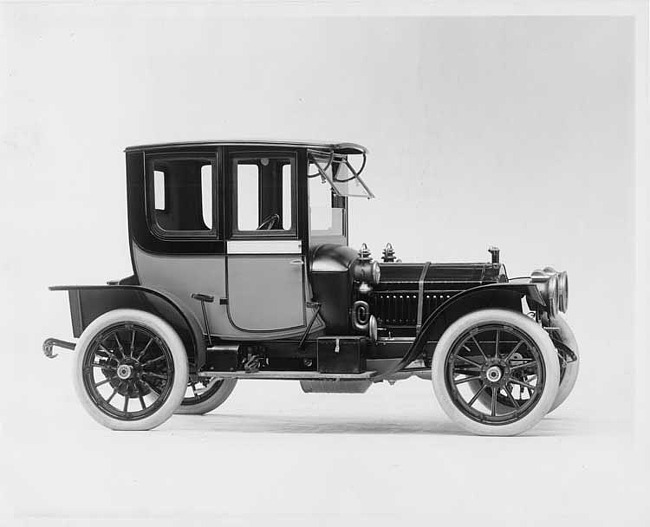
568	370
501	354
130	370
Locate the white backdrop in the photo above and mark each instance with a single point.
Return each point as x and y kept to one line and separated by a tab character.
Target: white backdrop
517	132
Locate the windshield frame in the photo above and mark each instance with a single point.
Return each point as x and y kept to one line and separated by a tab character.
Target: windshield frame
331	158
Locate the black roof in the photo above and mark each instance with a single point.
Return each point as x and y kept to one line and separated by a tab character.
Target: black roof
343	148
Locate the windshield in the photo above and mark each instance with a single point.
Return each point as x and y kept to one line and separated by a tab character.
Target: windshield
327	214
338	170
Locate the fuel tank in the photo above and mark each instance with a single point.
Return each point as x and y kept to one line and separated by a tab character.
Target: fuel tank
394	301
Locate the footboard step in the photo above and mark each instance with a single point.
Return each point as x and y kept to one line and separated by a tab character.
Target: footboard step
288	375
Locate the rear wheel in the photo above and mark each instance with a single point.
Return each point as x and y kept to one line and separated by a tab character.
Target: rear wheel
205	395
489	358
130	370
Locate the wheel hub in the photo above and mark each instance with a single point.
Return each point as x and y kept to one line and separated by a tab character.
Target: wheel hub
494	373
124	371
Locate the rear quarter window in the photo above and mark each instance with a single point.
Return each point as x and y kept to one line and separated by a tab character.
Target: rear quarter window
180	197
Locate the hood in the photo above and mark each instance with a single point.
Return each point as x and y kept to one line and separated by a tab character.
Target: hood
458	276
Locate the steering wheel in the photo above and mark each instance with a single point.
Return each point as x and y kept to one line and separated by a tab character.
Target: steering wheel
269	222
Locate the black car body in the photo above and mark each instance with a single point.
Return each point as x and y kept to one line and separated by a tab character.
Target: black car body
242	249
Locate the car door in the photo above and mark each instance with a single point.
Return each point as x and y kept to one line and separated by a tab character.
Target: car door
265	256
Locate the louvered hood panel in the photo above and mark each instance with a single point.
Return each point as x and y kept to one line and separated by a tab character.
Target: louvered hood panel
406	276
395	298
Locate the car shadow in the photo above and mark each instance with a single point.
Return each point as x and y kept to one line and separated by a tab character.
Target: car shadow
315	424
310	424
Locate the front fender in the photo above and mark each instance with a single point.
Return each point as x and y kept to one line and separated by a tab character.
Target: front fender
91	301
501	295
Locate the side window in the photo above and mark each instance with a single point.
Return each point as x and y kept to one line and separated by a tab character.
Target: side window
320	204
326	211
180	201
264	197
248	175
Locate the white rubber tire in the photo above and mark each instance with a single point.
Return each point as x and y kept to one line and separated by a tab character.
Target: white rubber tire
216	400
548	356
179	356
568	379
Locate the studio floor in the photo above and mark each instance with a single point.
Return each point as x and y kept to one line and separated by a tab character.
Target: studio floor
273	455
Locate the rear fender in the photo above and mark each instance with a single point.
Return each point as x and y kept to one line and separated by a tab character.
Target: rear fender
89	302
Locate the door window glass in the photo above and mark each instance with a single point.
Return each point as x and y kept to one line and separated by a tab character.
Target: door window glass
247	196
265	195
286	195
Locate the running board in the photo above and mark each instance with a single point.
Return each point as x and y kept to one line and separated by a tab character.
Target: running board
290	375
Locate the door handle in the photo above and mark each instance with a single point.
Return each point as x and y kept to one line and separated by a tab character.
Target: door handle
296	262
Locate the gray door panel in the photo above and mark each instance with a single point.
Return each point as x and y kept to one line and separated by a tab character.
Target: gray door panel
266	292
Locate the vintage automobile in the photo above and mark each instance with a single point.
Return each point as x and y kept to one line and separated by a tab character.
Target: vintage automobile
242	270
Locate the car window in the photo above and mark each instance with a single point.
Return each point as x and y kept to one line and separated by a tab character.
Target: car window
320	204
181	197
264	197
248	196
326	211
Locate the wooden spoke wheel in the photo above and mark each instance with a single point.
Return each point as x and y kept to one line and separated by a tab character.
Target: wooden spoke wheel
131	370
495	372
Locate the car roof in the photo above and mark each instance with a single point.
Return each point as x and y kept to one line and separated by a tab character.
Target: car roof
343	148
